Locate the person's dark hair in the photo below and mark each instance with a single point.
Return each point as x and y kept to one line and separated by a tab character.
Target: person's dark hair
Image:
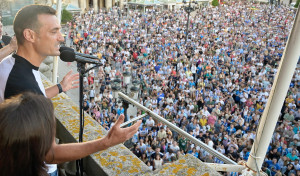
27	18
27	130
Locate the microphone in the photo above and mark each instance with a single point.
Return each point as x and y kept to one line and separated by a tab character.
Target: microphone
69	56
64	48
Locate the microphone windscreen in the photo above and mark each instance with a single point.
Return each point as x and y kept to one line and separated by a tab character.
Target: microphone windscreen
64	48
67	56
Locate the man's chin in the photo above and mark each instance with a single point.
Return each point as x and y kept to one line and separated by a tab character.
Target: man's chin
53	54
56	53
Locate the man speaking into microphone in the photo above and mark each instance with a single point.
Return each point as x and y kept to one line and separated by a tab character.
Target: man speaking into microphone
37	30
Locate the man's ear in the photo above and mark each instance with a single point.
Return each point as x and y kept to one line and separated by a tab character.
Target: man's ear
29	35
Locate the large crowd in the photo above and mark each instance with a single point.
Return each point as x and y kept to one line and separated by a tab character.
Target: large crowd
214	85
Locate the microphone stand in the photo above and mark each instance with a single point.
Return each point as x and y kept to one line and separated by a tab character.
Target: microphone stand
82	71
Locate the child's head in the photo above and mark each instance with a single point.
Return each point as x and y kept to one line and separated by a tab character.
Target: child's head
27	130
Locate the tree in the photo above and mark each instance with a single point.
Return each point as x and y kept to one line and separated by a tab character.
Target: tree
297	4
3	5
215	3
66	16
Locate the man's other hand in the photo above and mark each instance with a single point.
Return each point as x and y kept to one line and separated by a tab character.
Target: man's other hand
70	81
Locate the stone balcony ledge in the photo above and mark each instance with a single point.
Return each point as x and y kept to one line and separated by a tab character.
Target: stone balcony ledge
117	160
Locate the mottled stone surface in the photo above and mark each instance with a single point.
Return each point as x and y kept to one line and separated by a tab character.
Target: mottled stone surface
187	165
118	160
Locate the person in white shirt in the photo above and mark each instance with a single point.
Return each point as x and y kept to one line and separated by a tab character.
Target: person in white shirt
142	146
196	131
297	136
174	147
205	111
148	163
157	162
154	102
150	123
135	138
296	164
92	93
98	98
169	155
193	70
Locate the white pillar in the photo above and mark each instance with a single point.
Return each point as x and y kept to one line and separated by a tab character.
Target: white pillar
121	4
55	59
83	8
87	4
101	4
80	4
108	4
276	99
95	5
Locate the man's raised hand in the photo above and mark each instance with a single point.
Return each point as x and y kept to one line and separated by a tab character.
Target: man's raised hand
117	135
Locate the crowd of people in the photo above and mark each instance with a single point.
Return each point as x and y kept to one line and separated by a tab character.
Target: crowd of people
214	85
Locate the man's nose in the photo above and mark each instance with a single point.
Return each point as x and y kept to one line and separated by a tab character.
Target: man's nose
60	37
